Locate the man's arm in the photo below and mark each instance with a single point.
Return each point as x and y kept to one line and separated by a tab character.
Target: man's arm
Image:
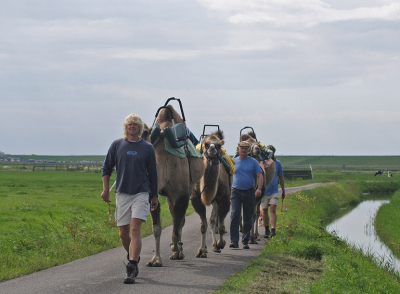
282	183
153	179
105	195
260	182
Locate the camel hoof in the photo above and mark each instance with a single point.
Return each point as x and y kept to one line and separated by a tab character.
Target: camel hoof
221	245
154	263
216	249
177	256
253	242
202	253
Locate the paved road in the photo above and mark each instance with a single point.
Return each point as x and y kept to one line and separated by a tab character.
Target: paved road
104	272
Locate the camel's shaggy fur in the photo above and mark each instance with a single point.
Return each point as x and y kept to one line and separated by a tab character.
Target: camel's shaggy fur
175	183
213	188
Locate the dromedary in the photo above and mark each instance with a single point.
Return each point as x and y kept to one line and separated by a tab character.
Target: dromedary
213	188
268	168
176	178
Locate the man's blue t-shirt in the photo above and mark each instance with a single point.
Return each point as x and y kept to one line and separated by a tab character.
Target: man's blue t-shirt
272	188
245	173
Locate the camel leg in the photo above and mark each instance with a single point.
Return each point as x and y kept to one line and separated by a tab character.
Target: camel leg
253	236
156	260
178	212
241	224
201	211
223	209
213	224
257	235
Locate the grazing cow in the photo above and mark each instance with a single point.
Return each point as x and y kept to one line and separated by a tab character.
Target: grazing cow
389	174
379	172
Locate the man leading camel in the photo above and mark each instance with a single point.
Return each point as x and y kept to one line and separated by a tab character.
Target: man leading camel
243	194
271	197
136	186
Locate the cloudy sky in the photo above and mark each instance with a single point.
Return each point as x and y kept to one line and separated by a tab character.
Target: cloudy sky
311	77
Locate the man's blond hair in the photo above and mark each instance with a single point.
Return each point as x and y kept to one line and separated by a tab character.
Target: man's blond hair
133	119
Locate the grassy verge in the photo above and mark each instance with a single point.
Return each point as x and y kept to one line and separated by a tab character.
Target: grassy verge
51	218
387	224
304	258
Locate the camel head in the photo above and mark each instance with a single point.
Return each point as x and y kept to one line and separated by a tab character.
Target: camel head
255	149
211	144
146	132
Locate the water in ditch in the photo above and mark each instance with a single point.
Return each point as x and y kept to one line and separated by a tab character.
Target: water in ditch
357	227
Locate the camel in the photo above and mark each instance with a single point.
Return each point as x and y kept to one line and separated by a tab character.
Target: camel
268	175
176	178
214	188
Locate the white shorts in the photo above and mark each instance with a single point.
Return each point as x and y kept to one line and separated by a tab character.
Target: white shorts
131	206
269	199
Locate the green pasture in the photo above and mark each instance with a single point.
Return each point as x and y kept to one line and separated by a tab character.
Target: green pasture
50	218
304	258
350	162
96	158
336	162
387	224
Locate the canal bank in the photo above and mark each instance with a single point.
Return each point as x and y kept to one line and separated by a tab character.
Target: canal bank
387	224
357	227
304	258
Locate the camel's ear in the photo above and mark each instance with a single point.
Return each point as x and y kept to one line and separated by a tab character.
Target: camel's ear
222	142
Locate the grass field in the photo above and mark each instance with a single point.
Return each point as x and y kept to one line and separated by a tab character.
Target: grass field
304	258
372	162
387	224
337	162
50	218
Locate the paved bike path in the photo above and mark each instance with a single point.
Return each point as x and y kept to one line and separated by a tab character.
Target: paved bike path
104	272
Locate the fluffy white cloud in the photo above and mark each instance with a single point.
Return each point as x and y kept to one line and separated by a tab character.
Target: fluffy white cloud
292	12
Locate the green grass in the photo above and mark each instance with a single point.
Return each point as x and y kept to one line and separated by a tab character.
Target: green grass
304	258
379	162
97	158
50	218
373	162
387	224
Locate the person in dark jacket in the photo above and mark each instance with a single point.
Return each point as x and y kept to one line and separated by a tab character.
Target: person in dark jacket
136	188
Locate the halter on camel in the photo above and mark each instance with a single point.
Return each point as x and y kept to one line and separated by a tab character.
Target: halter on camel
212	161
265	153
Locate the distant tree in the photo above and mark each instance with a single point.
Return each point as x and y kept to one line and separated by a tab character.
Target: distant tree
2	153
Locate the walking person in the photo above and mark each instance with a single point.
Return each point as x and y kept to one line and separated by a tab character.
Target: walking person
271	197
136	188
243	194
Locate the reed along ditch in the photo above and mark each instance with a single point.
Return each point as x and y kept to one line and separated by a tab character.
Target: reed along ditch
355	225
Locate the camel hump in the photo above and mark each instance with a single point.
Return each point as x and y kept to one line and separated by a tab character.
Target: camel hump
165	116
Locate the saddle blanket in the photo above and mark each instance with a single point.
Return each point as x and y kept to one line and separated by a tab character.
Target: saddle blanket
180	152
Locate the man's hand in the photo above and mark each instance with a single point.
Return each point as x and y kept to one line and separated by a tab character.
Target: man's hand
283	194
105	196
154	203
258	192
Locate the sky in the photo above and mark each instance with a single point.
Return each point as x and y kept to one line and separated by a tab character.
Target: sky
310	77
